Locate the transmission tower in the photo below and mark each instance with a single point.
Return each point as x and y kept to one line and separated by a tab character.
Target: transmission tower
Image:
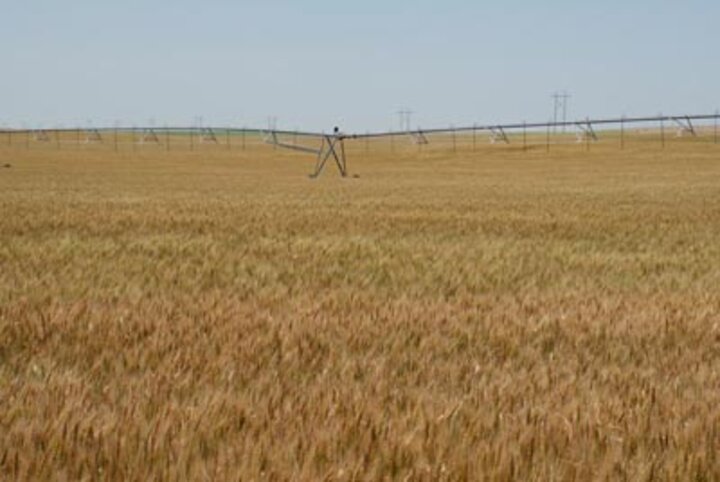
405	117
560	106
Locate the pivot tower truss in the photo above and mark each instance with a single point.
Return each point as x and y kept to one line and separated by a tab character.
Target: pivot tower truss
685	126
332	147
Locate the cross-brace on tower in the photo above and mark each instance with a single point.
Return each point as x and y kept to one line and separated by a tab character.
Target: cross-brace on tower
93	136
333	146
149	136
207	136
419	138
42	136
685	125
585	131
498	134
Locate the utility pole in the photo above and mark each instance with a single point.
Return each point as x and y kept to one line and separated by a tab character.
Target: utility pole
272	122
560	104
556	106
405	118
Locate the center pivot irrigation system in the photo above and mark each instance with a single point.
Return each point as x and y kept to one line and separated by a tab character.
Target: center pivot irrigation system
333	145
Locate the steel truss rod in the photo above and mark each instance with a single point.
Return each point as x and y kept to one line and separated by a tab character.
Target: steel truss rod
586	131
685	124
42	136
272	138
333	146
149	135
419	138
498	134
207	135
162	130
92	136
488	128
539	125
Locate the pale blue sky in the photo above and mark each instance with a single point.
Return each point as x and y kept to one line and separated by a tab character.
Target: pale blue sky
315	63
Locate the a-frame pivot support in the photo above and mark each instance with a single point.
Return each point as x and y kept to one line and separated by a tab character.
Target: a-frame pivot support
685	125
498	134
333	146
419	138
586	131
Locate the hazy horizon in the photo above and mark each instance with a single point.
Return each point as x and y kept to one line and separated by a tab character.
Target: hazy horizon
321	63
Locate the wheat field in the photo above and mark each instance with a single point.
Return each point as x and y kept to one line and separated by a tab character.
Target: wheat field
453	313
